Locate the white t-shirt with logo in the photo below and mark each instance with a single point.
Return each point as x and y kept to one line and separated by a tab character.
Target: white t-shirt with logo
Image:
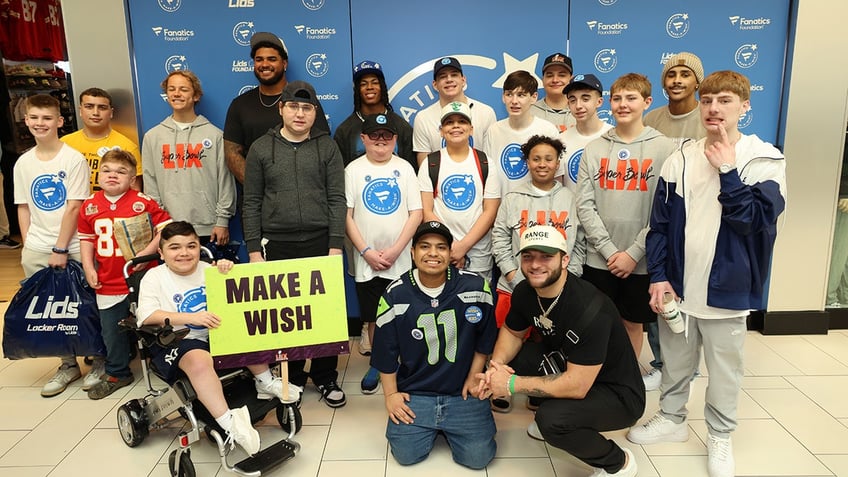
502	145
574	144
162	289
458	203
425	129
45	187
381	196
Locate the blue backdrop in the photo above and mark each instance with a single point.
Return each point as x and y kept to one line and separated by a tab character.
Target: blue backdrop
491	38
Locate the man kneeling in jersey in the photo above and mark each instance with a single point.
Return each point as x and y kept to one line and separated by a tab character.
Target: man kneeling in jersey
584	365
435	330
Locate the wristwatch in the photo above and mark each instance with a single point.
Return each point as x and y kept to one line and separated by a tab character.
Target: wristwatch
725	168
60	251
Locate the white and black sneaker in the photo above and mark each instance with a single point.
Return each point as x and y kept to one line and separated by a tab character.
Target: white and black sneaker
332	394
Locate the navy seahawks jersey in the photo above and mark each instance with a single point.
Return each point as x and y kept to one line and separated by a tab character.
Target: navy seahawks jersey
430	342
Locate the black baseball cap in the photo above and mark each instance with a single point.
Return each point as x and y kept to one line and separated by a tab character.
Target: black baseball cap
558	59
376	122
301	92
432	227
448	61
589	81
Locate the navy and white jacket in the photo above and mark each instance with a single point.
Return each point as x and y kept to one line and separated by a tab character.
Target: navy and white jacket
752	197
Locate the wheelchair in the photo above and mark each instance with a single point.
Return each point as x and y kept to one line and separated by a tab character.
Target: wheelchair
161	407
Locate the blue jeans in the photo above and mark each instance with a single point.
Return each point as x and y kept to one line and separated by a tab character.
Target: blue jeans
468	426
116	340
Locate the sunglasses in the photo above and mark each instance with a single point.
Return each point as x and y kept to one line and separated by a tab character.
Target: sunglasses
381	134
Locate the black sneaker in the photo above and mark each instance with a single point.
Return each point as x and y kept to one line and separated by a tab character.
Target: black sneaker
107	386
332	394
7	243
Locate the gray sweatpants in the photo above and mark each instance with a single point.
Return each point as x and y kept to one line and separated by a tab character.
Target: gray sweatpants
723	341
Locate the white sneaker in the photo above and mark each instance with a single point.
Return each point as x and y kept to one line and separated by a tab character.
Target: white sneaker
653	379
720	457
274	389
658	429
59	382
95	375
243	432
629	469
364	341
534	432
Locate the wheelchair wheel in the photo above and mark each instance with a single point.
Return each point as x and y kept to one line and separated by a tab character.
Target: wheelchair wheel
186	465
285	420
132	423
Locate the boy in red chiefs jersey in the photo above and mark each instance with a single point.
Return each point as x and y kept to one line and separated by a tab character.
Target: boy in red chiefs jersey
103	259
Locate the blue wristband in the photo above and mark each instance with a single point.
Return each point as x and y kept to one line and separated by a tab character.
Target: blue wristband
362	253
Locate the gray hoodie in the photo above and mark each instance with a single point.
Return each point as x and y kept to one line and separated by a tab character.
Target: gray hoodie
294	192
525	207
185	172
616	183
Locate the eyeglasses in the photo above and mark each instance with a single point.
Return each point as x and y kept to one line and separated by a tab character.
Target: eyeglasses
381	134
302	107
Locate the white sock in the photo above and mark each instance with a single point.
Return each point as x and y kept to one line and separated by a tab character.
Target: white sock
225	421
264	376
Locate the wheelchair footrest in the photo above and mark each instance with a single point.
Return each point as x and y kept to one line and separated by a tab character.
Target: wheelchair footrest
268	458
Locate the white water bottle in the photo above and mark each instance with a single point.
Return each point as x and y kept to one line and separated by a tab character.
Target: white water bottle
671	314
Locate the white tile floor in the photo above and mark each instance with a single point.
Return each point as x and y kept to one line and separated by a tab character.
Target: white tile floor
793	415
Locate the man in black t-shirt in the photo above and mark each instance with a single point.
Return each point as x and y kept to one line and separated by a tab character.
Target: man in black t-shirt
597	386
254	112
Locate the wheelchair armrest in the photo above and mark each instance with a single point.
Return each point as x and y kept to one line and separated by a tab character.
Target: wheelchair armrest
163	335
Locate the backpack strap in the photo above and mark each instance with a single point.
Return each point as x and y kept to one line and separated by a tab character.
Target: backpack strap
434	161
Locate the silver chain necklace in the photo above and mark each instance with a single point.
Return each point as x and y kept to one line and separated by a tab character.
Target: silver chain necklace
273	103
543	319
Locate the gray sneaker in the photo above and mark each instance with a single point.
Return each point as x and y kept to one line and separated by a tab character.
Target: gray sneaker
59	382
95	375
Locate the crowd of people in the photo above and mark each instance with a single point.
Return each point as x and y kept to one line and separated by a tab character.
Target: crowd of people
581	227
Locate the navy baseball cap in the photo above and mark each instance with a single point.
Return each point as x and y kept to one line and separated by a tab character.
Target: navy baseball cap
589	81
367	68
448	61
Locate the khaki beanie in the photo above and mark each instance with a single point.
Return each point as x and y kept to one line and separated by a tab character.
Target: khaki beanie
689	60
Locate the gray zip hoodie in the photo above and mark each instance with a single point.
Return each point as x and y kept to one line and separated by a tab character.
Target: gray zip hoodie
616	183
525	207
294	192
185	172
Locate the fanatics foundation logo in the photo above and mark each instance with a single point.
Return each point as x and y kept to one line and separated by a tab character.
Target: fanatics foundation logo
242	33
746	119
176	63
317	65
749	23
677	25
311	33
458	191
513	165
746	55
606	60
48	191
245	89
602	28
382	195
170	6
172	35
313	4
607	3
